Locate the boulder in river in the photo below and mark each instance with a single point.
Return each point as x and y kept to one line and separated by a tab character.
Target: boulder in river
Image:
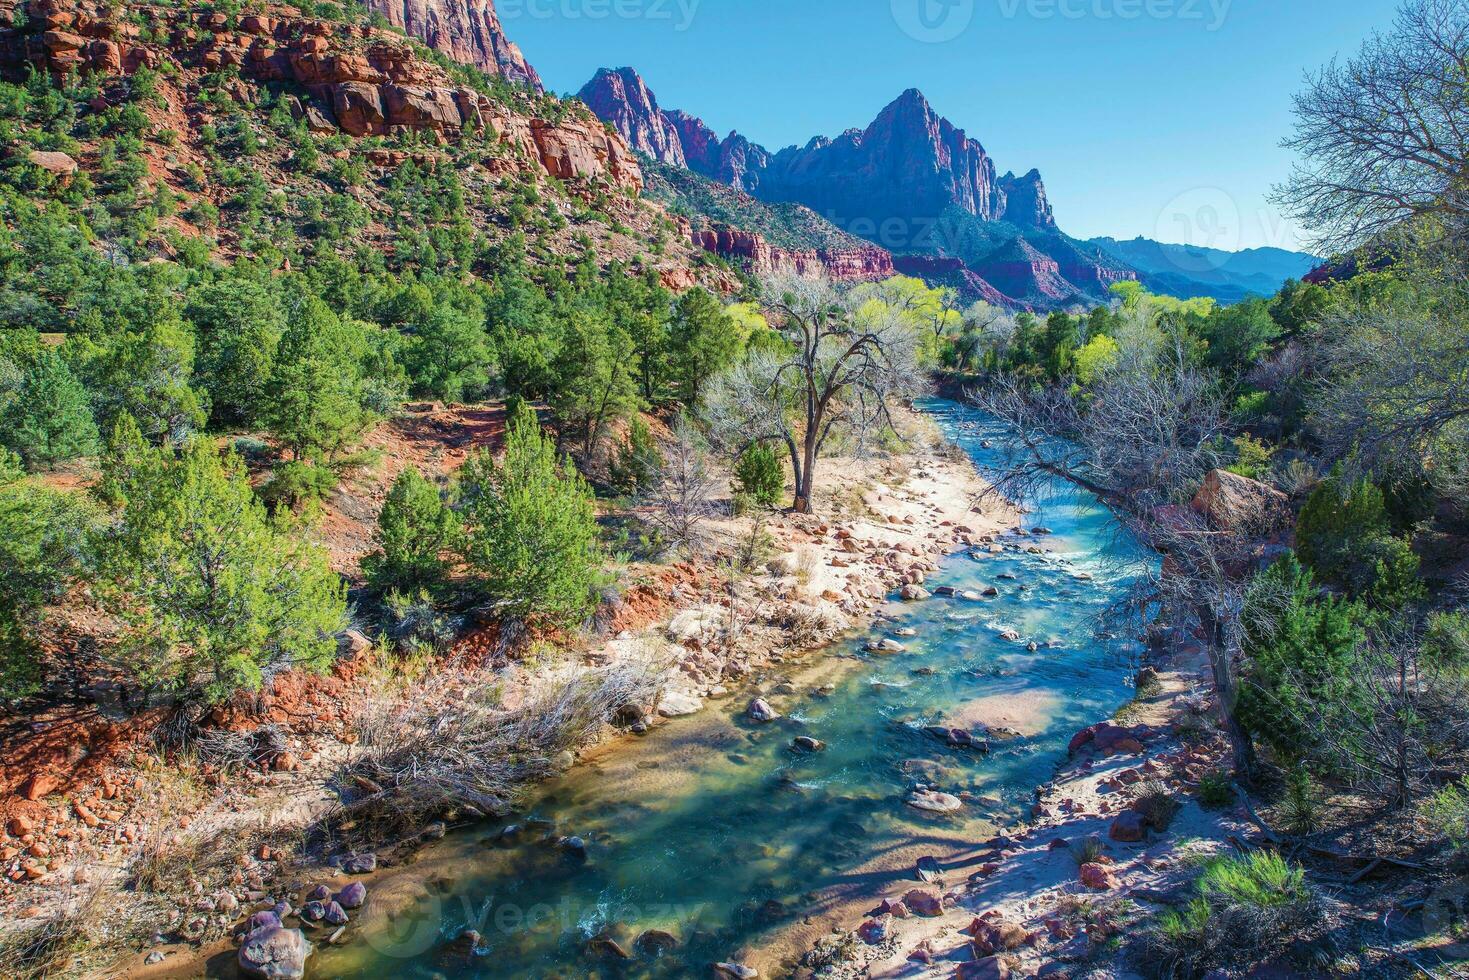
275	953
735	971
934	802
677	704
885	645
914	593
353	896
805	744
655	941
761	711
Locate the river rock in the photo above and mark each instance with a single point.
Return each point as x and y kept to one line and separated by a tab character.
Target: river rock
761	711
988	968
1009	635
605	945
354	896
313	911
655	941
319	894
677	704
923	903
735	971
885	645
261	920
970	595
905	632
934	802
334	915
928	870
359	864
806	744
574	848
874	932
1098	878
914	593
1129	828
275	953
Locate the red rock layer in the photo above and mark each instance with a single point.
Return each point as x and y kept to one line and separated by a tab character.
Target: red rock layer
853	265
465	30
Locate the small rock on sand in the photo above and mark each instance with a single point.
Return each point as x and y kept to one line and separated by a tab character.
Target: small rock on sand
761	711
934	802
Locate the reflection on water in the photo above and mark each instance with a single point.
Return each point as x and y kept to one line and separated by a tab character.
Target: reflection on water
716	832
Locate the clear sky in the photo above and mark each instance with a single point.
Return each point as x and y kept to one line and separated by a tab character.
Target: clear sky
1146	117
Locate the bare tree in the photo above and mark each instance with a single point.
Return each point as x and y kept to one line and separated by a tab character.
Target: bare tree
846	363
1384	137
1143	441
682	497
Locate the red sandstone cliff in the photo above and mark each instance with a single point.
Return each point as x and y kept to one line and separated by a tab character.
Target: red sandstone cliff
854	265
465	30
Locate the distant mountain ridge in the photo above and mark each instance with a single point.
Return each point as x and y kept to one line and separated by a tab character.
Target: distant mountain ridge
1200	271
911	183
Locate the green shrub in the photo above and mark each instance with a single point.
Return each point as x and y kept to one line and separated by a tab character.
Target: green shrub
1300	810
1301	650
637	462
1447	816
759	475
530	529
1156	804
1216	790
1345	536
414	530
295	485
49	420
1245	910
213	595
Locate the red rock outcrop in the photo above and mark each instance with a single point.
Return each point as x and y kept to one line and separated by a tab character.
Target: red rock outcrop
855	265
622	99
466	30
364	81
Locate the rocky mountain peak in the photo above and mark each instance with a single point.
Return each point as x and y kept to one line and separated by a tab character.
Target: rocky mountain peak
622	98
468	31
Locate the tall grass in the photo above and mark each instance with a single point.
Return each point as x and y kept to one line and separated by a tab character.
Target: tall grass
1244	911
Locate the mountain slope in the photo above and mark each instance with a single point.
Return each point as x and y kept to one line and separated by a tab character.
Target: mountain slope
911	182
1189	270
468	31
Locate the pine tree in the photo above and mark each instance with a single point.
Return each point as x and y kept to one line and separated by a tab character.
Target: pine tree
49	421
215	597
414	530
531	532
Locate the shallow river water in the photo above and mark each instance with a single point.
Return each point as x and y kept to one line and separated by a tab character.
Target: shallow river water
713	830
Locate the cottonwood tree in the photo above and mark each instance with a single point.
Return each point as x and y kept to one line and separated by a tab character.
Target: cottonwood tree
1384	136
846	359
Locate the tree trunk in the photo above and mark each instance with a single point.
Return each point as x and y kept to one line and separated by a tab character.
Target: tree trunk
1224	685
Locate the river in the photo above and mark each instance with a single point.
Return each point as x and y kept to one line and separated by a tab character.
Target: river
715	831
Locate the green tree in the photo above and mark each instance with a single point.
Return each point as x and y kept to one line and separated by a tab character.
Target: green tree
42	539
1301	650
637	462
530	529
125	449
595	384
215	597
414	530
238	321
702	341
758	475
316	395
49	421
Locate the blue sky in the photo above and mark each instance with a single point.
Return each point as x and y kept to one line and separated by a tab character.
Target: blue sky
1146	117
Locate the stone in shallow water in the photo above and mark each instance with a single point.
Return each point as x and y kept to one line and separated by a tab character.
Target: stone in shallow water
934	802
735	971
275	953
807	744
885	645
677	704
655	941
761	711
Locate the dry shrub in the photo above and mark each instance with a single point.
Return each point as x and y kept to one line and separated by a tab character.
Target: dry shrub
50	948
449	744
1088	849
808	627
1157	804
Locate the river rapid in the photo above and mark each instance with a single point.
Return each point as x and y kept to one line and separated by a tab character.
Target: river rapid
715	831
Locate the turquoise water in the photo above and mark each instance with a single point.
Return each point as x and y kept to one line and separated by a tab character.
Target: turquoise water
715	831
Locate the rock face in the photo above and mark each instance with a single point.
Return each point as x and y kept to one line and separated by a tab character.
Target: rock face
362	81
465	30
623	99
1241	505
859	265
911	182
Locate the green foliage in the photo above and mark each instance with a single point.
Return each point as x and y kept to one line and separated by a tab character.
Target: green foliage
1245	910
49	418
42	538
1344	534
530	529
759	475
1301	657
638	461
702	341
1447	815
298	485
1252	457
415	529
1300	810
239	321
214	596
1097	356
1216	790
1236	335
